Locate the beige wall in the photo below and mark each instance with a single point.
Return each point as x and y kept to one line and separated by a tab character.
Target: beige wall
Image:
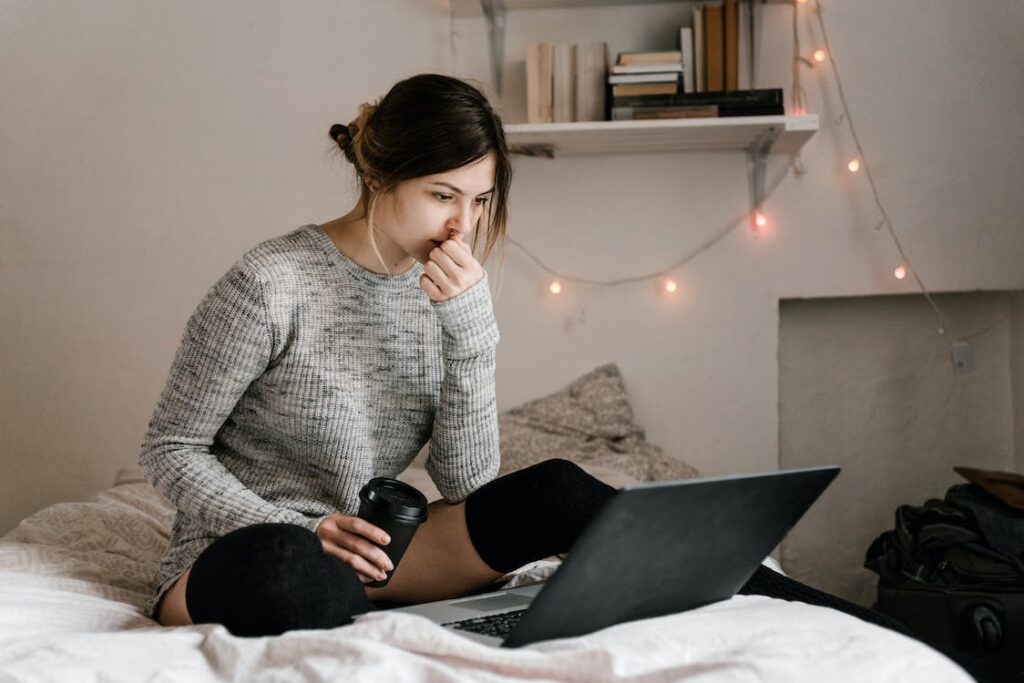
146	146
861	387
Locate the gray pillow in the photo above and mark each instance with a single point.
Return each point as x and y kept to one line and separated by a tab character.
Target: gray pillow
589	422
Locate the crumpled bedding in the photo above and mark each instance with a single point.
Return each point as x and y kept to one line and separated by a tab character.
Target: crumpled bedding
74	578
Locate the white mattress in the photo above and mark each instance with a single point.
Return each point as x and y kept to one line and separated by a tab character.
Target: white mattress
74	578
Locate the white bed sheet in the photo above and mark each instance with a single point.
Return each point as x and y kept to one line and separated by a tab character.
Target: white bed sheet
74	578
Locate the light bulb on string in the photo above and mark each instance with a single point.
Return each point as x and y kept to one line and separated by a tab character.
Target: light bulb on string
759	223
670	285
901	271
853	165
555	287
819	55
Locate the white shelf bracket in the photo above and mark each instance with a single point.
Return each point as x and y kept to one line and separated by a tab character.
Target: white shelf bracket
494	11
757	162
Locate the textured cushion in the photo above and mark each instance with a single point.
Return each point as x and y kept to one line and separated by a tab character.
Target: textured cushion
589	422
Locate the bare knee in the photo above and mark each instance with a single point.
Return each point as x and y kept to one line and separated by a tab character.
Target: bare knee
172	610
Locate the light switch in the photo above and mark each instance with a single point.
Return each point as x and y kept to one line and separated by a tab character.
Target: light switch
963	356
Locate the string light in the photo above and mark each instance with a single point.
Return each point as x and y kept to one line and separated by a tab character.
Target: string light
670	285
819	56
555	287
818	10
901	271
854	165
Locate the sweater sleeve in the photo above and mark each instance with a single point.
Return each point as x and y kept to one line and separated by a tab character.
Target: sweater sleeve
464	453
226	345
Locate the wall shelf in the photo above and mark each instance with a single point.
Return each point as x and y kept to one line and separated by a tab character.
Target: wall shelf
754	134
472	8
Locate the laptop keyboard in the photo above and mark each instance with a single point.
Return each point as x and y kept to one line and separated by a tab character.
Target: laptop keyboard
497	625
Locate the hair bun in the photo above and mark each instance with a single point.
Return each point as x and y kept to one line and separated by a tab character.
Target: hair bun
339	132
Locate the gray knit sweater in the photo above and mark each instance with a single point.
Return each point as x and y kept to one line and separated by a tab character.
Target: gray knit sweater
300	376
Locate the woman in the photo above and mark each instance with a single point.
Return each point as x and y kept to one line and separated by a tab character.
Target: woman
332	354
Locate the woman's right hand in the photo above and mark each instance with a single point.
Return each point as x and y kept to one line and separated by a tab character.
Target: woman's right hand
351	540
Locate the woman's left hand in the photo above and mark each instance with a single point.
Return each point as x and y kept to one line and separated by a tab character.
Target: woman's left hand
451	270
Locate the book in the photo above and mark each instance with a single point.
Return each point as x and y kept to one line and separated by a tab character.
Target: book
714	57
671	77
653	67
591	69
761	97
699	68
731	45
681	112
761	102
636	89
539	86
563	83
686	62
647	57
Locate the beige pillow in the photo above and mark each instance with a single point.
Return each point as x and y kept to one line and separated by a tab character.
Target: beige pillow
589	422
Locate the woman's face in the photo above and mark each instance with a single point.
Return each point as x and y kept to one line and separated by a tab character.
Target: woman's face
423	212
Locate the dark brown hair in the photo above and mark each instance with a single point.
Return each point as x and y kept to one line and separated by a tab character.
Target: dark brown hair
427	124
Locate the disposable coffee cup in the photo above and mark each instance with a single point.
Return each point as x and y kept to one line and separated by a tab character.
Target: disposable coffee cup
398	509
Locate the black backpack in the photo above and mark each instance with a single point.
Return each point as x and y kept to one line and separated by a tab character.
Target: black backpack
953	570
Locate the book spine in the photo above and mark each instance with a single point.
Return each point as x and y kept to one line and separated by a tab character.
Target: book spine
646	57
768	97
699	67
562	78
547	83
731	46
639	113
644	89
660	67
713	48
645	78
591	71
686	50
538	82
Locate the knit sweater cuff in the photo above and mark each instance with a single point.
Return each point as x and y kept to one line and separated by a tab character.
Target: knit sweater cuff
286	516
467	322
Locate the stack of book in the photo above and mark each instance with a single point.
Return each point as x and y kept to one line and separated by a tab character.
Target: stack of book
566	81
700	79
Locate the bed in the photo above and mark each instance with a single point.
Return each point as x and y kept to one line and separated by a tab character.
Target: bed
75	576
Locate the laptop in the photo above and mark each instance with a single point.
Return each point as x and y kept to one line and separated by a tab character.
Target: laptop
654	548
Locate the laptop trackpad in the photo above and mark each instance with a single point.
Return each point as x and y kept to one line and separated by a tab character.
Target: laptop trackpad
494	602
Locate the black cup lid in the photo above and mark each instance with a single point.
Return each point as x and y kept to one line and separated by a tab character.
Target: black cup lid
395	497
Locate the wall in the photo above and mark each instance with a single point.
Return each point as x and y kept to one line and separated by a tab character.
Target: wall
861	387
146	147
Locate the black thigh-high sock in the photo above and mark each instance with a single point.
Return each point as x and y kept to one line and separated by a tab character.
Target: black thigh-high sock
265	579
533	513
767	581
